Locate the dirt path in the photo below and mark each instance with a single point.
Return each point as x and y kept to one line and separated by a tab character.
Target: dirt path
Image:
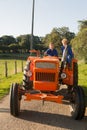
35	116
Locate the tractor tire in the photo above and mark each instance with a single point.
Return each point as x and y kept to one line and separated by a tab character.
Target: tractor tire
77	107
27	84
11	102
83	103
75	74
14	100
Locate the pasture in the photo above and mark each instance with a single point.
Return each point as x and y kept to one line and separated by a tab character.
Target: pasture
12	66
83	76
5	82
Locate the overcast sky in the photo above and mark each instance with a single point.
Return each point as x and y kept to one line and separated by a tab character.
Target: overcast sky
15	16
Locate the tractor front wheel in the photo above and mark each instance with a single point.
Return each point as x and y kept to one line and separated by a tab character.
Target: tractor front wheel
27	84
14	100
77	107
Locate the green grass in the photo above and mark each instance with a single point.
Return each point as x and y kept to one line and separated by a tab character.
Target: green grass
11	67
83	76
5	83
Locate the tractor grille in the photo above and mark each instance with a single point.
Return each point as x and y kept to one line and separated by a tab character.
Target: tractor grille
46	65
43	76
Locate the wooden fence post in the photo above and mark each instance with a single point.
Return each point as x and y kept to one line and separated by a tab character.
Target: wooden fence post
15	67
22	65
6	69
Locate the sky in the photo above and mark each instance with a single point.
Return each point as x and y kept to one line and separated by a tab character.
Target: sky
16	16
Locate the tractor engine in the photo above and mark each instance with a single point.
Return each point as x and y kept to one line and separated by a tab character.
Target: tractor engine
45	74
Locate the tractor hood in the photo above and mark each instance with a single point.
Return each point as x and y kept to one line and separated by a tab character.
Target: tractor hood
47	59
46	63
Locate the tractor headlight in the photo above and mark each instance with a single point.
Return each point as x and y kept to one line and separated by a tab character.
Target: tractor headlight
63	75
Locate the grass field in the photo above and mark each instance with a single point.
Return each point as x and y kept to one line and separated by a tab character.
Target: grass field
11	67
5	83
83	76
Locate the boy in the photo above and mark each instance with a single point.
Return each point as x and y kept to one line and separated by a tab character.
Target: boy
67	53
67	56
51	51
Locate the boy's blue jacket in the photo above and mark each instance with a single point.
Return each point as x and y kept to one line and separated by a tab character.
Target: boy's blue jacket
70	54
52	52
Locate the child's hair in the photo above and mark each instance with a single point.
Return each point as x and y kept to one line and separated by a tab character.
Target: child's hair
64	40
51	43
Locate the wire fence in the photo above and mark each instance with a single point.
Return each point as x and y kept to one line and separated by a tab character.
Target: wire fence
10	67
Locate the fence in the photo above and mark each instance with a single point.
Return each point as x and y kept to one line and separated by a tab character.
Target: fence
10	67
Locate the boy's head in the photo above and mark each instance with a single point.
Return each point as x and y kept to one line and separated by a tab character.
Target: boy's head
51	46
64	42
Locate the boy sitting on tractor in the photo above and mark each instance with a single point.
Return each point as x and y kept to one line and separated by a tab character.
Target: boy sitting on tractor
51	51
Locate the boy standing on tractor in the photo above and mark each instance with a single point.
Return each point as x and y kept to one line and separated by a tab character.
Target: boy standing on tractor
51	51
67	53
67	56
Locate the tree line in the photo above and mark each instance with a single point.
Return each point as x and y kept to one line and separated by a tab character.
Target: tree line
9	44
21	44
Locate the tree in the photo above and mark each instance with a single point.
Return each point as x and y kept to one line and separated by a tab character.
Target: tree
14	47
24	42
56	36
82	24
79	44
7	40
65	33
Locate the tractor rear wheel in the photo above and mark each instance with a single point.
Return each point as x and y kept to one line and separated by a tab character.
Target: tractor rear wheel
75	74
14	100
77	106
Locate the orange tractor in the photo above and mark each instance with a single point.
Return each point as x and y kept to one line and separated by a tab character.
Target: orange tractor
44	80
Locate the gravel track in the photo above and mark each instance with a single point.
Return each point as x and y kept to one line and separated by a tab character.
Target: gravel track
36	116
